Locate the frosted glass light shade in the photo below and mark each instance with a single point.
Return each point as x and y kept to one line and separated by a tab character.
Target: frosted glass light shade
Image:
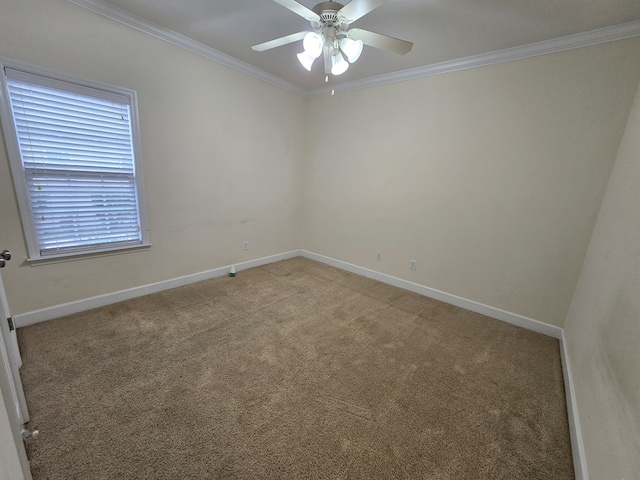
351	48
313	44
338	64
306	60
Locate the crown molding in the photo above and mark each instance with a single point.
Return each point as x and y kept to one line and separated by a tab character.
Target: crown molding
578	40
119	15
585	39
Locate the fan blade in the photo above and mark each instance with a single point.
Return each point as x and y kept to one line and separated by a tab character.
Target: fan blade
299	9
278	42
359	8
378	40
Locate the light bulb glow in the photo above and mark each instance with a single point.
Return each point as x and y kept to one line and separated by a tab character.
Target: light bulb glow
313	44
306	60
338	64
351	48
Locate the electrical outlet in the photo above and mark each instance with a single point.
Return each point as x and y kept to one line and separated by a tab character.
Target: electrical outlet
379	256
413	264
245	245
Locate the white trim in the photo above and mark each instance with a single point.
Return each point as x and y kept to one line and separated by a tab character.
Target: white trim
493	312
56	311
120	15
70	257
13	456
9	341
578	40
577	445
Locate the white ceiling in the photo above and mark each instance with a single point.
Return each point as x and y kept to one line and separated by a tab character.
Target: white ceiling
441	30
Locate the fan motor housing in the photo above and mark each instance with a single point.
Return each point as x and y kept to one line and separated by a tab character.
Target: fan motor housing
328	12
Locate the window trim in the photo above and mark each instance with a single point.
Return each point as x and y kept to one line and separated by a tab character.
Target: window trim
17	170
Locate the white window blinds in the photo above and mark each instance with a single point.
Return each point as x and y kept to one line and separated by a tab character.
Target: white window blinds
77	153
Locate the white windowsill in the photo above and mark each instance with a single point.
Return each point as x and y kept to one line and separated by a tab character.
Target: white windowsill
70	257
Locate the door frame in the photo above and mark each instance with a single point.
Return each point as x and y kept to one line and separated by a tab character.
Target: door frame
11	352
14	464
13	455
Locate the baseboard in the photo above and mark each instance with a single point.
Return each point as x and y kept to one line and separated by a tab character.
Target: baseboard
57	311
577	446
493	312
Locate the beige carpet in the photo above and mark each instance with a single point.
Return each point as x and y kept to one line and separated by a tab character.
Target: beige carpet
293	370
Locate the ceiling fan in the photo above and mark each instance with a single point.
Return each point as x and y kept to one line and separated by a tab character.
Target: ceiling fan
332	37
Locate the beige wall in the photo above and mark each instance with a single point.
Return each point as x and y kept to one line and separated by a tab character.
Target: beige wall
602	330
490	178
220	155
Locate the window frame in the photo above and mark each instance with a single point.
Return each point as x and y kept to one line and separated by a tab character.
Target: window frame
85	87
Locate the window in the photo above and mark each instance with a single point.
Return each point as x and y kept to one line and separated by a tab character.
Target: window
73	148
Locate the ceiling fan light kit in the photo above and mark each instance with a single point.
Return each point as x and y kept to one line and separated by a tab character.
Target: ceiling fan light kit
338	64
351	48
313	43
331	35
306	60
